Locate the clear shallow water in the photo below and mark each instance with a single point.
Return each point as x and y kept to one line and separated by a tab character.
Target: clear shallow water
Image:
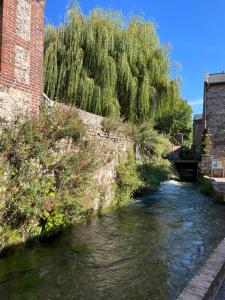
148	250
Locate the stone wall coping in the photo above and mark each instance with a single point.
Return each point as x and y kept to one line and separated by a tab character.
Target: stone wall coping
118	138
90	120
207	282
216	180
207	156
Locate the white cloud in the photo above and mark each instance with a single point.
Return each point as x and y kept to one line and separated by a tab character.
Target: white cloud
196	102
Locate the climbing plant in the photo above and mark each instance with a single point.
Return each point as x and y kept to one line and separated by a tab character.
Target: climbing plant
127	180
103	65
206	142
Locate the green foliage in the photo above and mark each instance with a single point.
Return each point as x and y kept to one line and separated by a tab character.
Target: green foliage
111	125
152	145
152	174
206	142
117	126
103	65
127	180
177	119
42	183
25	285
206	187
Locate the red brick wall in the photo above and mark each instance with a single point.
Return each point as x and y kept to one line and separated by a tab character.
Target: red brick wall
12	37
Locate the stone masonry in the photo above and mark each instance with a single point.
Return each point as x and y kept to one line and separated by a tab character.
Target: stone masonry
213	119
206	164
114	149
22	55
198	128
21	88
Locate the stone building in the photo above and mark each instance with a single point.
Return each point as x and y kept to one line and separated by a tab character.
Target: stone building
198	127
21	52
213	119
214	112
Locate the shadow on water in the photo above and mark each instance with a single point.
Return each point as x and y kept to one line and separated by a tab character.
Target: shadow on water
148	250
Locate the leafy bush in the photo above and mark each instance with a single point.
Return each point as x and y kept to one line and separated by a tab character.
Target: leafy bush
127	181
152	145
206	186
176	119
116	125
152	174
43	175
111	125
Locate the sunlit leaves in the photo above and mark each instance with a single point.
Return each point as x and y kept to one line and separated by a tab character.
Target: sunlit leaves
106	66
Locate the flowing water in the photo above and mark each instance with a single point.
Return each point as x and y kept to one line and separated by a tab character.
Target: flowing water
148	250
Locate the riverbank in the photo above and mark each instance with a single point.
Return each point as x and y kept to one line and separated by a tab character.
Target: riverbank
67	164
213	187
148	177
208	283
149	249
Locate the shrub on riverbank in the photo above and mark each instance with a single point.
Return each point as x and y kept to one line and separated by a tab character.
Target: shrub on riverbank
151	144
43	188
128	180
153	170
152	147
153	173
47	167
206	187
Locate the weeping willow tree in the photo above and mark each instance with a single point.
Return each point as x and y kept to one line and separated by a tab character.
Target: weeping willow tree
102	65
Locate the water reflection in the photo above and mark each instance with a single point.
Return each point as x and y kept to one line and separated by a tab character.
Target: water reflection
148	250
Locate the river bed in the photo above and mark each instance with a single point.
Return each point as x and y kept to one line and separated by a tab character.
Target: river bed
147	250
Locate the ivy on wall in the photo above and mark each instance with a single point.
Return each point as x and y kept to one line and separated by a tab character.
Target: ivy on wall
206	142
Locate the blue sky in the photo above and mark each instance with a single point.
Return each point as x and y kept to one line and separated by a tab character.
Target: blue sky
194	28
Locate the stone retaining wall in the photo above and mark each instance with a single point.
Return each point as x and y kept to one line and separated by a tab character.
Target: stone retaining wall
215	112
218	186
208	281
114	148
206	164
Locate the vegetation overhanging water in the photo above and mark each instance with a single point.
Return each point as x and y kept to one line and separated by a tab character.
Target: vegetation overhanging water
147	250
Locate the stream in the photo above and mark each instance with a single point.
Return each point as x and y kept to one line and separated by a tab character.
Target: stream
147	250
